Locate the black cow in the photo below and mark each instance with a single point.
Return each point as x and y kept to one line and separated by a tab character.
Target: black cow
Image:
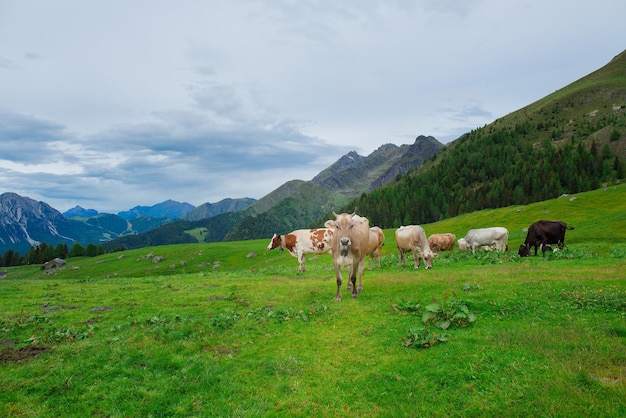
542	234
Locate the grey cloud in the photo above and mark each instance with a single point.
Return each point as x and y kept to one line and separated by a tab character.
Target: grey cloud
29	139
7	64
471	111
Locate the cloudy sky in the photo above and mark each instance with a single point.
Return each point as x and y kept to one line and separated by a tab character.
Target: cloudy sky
110	104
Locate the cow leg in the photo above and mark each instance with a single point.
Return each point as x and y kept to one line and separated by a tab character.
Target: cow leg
353	272
301	262
400	254
416	260
361	269
339	280
349	284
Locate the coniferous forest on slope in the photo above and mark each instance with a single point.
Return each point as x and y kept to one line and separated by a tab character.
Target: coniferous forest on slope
491	170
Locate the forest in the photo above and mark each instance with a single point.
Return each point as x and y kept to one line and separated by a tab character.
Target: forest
492	169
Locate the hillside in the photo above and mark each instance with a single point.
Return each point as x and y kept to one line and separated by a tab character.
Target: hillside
571	141
208	330
589	212
208	210
168	209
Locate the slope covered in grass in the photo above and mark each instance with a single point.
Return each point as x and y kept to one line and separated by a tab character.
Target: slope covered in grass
226	333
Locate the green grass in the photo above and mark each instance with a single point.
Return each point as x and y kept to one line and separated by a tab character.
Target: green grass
223	334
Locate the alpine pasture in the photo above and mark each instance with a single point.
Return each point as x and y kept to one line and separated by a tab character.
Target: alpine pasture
213	330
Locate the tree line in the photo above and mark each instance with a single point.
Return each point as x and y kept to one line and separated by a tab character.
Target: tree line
43	253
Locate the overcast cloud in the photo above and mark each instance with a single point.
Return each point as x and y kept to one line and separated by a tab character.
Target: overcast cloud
112	104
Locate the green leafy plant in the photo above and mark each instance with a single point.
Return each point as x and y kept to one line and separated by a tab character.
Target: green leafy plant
224	320
405	307
422	337
448	313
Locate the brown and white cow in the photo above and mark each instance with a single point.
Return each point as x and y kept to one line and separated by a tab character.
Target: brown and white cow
376	242
301	242
477	238
442	242
349	248
413	238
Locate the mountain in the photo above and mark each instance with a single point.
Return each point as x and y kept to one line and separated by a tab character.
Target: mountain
209	210
297	203
571	141
353	174
25	222
78	212
168	209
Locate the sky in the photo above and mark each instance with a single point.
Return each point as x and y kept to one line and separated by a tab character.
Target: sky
111	104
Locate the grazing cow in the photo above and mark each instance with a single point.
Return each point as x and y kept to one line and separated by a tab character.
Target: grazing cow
376	242
411	238
543	233
442	242
301	242
476	238
349	248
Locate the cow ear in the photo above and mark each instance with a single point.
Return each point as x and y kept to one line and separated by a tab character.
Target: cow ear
435	255
329	224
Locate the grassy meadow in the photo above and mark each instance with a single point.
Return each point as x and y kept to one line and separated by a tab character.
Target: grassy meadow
231	329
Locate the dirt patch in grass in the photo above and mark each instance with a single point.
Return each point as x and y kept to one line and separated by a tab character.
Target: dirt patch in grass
15	355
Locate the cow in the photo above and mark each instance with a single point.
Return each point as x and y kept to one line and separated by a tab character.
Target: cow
301	242
349	243
412	238
497	236
376	242
442	242
543	233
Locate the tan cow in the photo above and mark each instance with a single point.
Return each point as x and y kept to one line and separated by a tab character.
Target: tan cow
412	238
442	242
376	242
349	248
301	242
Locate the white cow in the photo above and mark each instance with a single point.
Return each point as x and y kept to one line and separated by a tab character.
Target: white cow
496	236
411	238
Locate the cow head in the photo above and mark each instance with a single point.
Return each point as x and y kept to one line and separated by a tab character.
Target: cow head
462	244
275	243
427	255
524	250
342	230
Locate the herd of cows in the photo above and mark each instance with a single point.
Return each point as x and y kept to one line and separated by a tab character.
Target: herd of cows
349	239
